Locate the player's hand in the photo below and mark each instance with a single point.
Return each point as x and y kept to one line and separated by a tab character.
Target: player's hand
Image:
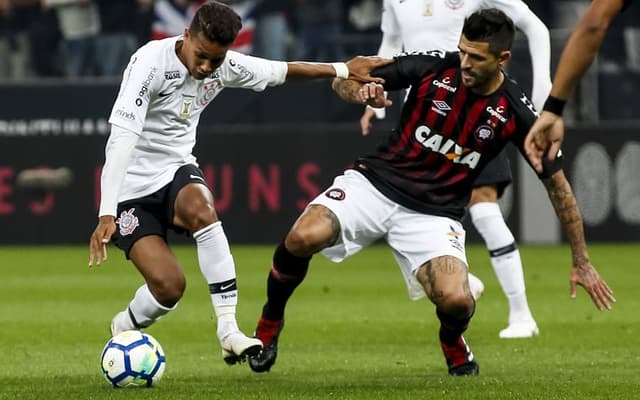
366	120
546	135
360	68
99	239
372	94
586	276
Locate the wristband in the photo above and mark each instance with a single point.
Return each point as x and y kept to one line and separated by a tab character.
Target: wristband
554	105
342	71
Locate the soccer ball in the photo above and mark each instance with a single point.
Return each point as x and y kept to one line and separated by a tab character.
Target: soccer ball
132	358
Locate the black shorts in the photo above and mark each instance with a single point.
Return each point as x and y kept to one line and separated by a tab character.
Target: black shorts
153	214
497	173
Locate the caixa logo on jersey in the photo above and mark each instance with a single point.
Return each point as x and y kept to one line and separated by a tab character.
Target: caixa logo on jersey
447	147
144	88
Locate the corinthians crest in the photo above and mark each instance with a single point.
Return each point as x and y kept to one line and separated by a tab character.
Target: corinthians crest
127	222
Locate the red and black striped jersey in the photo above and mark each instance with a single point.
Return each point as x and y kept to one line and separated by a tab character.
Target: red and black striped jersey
446	134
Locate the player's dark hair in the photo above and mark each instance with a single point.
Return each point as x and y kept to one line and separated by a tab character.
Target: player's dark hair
217	21
490	25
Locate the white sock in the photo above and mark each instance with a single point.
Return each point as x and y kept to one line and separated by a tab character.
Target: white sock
505	257
144	309
218	268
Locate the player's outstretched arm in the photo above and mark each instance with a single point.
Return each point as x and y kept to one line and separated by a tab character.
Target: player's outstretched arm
119	149
583	273
358	68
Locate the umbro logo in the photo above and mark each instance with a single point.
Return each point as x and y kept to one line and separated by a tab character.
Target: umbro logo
440	107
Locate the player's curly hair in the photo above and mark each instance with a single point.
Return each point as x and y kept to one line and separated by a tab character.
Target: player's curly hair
490	25
217	21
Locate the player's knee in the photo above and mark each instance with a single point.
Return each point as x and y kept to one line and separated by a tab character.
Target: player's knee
302	242
168	290
198	215
459	303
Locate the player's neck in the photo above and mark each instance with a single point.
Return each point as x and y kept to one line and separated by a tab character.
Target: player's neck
179	51
491	86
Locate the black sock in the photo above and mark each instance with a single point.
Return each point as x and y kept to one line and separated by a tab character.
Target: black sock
287	272
451	328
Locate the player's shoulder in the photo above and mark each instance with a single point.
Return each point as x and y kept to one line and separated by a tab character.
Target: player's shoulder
436	55
156	52
520	102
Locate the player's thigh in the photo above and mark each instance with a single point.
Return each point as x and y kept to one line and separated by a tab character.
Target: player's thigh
158	265
315	229
362	213
190	200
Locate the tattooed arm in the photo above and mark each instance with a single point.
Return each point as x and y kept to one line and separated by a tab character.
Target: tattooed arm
355	92
582	273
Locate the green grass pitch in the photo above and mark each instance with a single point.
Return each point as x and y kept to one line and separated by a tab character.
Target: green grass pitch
352	332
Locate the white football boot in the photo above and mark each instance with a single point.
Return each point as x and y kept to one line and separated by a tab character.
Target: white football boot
520	329
122	322
236	346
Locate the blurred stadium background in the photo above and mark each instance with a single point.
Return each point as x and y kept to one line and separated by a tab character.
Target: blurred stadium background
267	154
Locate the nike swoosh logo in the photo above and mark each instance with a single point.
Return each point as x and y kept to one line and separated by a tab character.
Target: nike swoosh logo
223	287
164	94
196	177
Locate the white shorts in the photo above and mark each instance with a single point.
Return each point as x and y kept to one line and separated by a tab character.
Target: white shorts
366	215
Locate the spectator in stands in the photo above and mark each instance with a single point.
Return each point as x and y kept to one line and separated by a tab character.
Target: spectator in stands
319	27
17	19
79	22
272	29
117	41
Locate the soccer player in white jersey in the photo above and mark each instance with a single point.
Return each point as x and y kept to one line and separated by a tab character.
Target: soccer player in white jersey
413	25
151	181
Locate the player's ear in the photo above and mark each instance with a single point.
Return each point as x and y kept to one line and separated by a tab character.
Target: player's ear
504	58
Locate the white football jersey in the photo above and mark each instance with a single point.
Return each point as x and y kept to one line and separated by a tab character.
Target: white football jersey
414	25
161	102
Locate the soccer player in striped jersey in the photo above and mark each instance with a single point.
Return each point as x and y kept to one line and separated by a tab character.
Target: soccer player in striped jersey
151	181
547	133
416	25
461	111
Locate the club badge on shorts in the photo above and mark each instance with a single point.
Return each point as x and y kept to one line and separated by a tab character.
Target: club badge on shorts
127	222
335	194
